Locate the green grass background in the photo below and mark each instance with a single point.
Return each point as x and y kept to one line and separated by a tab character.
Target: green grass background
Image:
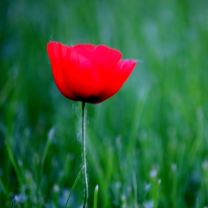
147	146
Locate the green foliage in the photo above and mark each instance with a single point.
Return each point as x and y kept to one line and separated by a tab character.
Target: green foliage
147	146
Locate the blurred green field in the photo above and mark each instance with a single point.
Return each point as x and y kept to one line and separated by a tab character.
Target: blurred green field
147	146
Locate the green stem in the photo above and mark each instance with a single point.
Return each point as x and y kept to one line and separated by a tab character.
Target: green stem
84	154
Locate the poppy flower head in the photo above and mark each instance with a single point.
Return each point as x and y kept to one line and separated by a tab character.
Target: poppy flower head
87	72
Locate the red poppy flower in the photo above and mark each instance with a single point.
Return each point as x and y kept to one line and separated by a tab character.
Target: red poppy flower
86	72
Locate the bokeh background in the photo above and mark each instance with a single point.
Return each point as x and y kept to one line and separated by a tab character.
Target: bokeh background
147	146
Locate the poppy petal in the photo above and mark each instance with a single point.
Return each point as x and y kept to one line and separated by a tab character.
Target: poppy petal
105	60
56	52
80	76
84	49
117	78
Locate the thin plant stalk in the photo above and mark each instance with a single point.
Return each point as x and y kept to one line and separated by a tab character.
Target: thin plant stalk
84	154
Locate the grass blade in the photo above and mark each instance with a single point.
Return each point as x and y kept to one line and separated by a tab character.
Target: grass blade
95	197
74	185
50	137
